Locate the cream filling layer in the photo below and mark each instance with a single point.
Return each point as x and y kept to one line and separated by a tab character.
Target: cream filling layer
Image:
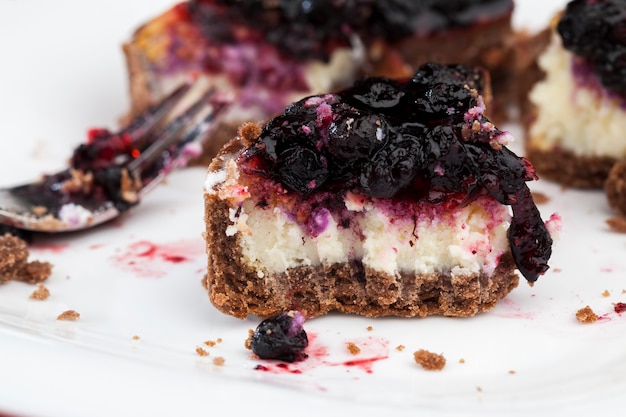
462	241
574	117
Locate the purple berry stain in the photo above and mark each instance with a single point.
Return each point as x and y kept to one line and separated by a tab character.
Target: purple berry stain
281	337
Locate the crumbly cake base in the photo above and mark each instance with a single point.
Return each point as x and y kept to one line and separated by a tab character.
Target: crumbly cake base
568	169
615	188
239	290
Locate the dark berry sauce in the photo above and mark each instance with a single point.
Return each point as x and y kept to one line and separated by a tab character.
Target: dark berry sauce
281	337
94	177
306	29
424	139
595	30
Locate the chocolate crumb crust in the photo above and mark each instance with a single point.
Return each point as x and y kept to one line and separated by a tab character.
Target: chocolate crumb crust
615	188
237	289
570	170
429	360
586	315
14	264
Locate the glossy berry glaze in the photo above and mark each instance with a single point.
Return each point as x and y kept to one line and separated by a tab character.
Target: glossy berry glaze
595	31
423	140
281	337
311	29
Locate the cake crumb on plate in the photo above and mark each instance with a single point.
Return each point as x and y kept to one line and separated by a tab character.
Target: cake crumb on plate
429	361
352	348
586	315
14	264
69	315
201	352
40	294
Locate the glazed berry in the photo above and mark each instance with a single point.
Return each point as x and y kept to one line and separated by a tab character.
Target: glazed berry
281	337
596	31
392	168
301	169
381	93
423	139
437	94
354	135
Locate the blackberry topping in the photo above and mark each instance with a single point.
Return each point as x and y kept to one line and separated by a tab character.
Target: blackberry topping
306	29
425	139
595	30
281	337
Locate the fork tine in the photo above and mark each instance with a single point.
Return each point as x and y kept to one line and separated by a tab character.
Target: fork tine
139	127
169	134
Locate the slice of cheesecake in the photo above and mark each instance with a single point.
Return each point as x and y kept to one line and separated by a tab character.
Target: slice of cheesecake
391	197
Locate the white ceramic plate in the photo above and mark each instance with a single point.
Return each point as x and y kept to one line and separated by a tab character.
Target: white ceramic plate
63	72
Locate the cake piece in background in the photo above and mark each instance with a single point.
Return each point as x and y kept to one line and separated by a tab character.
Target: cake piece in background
576	133
390	197
263	55
401	35
267	54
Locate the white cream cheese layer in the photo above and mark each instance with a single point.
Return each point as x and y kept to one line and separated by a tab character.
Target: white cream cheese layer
571	116
461	241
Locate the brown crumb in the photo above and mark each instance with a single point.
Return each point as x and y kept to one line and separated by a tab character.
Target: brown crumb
400	348
218	340
201	352
69	315
370	328
353	349
135	337
586	315
249	132
14	263
618	224
540	198
606	293
248	342
219	361
35	272
512	372
429	361
40	294
461	360
556	270
479	389
210	343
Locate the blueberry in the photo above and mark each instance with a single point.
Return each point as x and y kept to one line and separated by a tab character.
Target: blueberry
392	168
281	337
356	135
375	93
596	32
302	169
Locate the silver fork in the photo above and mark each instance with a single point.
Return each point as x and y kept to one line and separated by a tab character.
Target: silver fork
112	172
